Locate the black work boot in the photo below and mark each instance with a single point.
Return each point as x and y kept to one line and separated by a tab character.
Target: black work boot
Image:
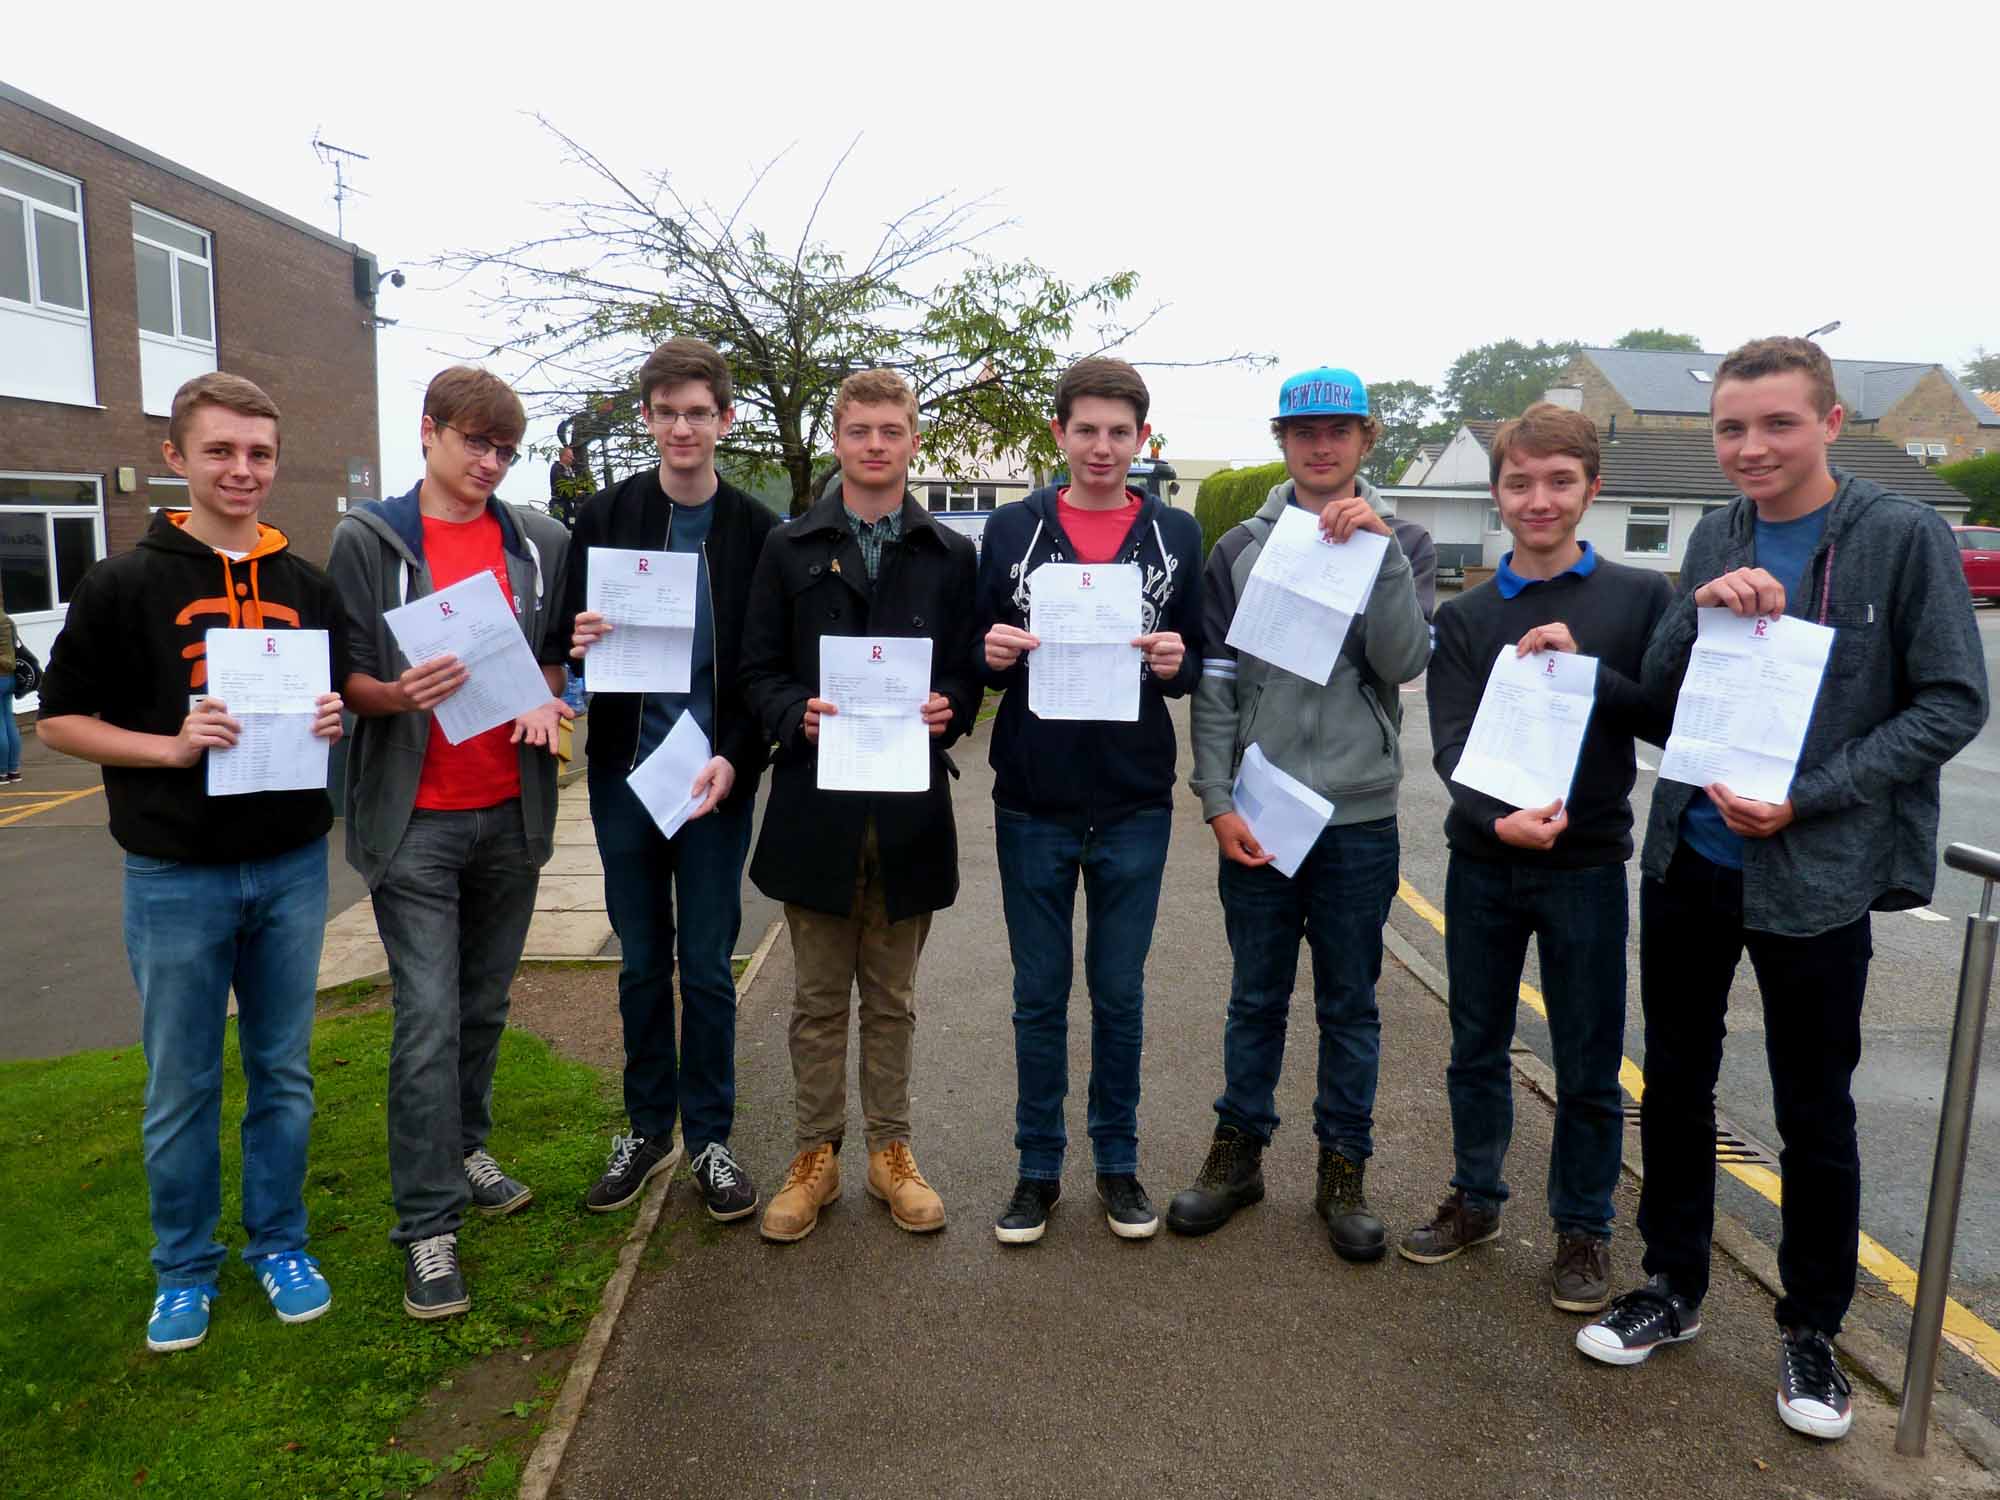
1231	1178
1340	1200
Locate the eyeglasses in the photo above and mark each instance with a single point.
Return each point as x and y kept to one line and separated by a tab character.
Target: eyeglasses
699	420
479	447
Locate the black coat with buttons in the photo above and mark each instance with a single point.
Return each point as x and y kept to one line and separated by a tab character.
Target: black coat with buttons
811	582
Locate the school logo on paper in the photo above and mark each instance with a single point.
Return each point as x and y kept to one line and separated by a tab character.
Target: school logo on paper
1550	669
646	565
1085	582
270	645
1762	629
874	653
445	609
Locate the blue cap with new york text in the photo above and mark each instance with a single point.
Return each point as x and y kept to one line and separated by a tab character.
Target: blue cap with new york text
1325	392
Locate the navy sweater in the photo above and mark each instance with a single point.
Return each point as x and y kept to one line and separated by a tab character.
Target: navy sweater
1088	772
1610	612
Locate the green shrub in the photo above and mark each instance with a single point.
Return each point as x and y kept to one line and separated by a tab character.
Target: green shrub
1232	495
1978	478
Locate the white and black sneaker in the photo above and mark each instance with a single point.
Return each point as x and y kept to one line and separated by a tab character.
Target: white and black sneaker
1026	1215
1813	1393
494	1193
635	1161
1638	1323
432	1284
724	1186
1127	1209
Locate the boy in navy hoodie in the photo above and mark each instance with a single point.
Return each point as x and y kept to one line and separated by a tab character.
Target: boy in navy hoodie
1085	797
220	893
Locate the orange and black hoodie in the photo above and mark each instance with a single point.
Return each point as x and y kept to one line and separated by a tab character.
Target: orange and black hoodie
132	652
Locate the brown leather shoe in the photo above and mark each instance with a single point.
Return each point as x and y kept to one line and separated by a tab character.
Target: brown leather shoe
893	1177
811	1184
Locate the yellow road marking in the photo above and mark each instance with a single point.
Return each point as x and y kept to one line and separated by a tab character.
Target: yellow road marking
1964	1330
62	799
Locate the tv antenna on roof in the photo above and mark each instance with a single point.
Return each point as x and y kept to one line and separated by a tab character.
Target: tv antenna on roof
337	158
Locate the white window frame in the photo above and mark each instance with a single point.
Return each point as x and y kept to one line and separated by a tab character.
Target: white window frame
156	482
1494	525
1937	450
1915	450
175	255
29	208
57	606
1650	515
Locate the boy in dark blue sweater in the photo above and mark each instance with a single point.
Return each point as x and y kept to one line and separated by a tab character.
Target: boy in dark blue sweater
1554	873
1085	796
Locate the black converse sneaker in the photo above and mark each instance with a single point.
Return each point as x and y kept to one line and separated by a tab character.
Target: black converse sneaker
1026	1215
635	1161
1813	1393
432	1284
1638	1323
494	1193
1127	1209
724	1186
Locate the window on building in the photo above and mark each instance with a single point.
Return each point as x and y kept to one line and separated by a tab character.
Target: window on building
1703	376
936	496
1915	450
165	492
51	531
174	265
1647	530
41	237
1493	518
1936	450
963	497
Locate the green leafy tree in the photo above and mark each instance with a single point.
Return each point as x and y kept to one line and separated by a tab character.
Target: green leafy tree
1978	478
981	340
1407	412
1982	371
1501	379
1658	338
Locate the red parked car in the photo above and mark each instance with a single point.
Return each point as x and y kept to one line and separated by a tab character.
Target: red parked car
1979	550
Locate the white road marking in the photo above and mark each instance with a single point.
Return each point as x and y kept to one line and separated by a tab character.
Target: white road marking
1925	914
1644	764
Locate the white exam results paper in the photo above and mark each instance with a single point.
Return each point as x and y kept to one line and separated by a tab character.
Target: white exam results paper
1285	815
270	681
1304	591
662	780
878	742
1746	702
472	621
1086	616
650	598
1529	729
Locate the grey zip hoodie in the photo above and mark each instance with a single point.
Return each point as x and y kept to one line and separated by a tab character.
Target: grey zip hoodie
377	563
1342	739
1904	691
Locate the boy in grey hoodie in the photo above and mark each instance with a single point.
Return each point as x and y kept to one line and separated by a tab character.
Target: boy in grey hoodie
1791	882
1341	739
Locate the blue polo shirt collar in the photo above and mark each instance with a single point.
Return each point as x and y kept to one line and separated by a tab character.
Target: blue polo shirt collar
1511	583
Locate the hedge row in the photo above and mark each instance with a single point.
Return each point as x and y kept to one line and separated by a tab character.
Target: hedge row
1231	495
1979	478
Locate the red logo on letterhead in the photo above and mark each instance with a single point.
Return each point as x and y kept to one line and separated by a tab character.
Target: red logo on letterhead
1086	581
1550	669
645	565
875	653
270	645
1761	629
445	609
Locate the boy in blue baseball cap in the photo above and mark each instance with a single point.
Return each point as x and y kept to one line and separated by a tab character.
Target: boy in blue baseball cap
1339	737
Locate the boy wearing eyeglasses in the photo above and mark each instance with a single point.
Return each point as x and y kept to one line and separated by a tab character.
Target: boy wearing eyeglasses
450	838
685	891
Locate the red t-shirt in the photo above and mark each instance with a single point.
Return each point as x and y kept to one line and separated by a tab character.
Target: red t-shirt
1098	534
486	769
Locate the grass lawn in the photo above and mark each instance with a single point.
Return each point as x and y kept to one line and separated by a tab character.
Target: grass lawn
261	1408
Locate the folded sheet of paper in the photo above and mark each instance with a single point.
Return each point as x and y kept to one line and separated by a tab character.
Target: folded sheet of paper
878	742
1285	815
1746	702
661	781
270	681
1303	593
471	620
1529	729
1086	615
650	598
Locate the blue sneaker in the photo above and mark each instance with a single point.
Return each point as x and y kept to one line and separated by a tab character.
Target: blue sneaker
292	1281
180	1318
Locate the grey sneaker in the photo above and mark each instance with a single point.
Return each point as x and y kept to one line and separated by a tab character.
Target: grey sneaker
494	1193
432	1284
1581	1281
1456	1226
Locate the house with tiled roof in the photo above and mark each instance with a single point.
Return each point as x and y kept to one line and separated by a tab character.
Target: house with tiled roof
1658	482
1922	408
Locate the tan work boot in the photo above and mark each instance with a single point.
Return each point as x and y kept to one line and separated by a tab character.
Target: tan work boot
893	1177
812	1183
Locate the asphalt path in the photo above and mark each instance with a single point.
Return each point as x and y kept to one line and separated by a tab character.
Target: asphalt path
1907	1019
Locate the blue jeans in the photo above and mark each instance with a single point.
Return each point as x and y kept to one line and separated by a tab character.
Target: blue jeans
1691	938
648	881
10	729
453	908
1579	919
1338	902
192	932
1121	866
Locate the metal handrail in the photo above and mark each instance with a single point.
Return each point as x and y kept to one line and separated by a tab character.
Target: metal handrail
1961	1082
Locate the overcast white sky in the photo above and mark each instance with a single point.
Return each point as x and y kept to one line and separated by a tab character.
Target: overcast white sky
1377	187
